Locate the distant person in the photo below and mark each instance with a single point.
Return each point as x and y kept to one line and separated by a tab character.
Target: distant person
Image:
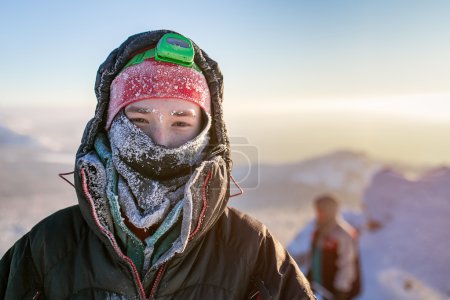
152	176
334	258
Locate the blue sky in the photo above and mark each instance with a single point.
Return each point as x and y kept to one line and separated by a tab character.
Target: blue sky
290	50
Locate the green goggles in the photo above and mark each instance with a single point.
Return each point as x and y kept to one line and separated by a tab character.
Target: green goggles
173	48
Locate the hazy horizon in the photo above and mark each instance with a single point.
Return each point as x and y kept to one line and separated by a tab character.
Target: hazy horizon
409	130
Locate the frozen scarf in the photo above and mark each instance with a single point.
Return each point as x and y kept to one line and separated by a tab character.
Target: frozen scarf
151	177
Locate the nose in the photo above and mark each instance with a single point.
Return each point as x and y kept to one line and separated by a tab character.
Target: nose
159	136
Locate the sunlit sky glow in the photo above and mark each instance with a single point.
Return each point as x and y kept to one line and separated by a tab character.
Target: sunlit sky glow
432	108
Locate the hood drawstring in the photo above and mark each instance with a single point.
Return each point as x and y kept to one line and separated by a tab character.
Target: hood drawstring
241	191
65	179
219	149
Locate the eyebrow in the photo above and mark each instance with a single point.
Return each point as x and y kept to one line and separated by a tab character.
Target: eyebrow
176	113
137	109
183	113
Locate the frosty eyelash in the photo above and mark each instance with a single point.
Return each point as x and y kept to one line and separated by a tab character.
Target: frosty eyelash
138	120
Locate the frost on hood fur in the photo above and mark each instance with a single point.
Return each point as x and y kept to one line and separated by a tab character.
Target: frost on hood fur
207	190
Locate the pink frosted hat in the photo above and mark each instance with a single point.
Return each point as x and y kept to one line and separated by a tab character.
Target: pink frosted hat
153	79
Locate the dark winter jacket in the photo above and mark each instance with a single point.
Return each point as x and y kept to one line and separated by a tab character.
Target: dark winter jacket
74	254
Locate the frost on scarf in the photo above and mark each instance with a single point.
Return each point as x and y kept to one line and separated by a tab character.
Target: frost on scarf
97	181
145	195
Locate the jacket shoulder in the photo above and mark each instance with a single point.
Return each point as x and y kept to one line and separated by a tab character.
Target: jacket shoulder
55	236
238	225
24	266
237	215
274	273
63	224
345	231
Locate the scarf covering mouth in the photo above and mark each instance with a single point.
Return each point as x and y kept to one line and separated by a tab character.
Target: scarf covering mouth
151	177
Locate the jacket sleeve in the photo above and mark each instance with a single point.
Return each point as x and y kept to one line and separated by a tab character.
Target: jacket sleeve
276	275
346	263
18	276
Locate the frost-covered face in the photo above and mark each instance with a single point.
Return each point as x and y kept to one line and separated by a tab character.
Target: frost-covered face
168	122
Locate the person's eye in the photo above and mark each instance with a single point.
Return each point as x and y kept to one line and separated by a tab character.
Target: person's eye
138	120
180	124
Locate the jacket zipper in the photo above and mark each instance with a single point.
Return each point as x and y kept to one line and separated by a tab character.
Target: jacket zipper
205	206
157	281
111	238
37	295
